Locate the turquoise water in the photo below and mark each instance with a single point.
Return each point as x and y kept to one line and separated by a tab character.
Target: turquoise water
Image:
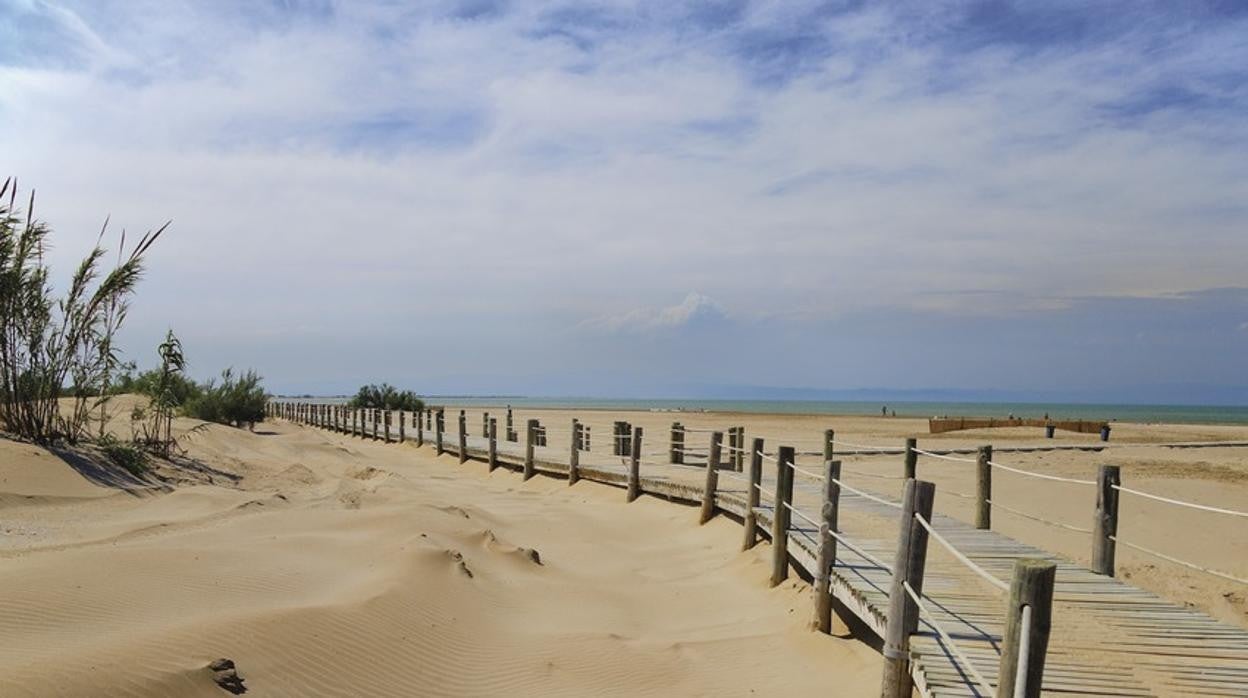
1172	414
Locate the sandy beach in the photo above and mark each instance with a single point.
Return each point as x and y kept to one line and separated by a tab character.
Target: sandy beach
323	565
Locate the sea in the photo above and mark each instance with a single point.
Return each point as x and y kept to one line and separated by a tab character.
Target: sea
1166	414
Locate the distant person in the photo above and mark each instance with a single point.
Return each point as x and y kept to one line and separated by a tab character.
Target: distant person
884	411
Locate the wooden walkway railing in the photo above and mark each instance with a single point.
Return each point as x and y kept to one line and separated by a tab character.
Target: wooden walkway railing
958	609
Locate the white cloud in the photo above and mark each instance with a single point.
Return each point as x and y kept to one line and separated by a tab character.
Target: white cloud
695	310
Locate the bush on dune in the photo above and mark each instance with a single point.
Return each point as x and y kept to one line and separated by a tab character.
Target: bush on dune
236	400
386	397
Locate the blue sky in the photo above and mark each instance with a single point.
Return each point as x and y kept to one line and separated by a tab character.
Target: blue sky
623	198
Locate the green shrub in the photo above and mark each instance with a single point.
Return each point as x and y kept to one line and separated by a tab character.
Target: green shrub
386	397
236	400
127	455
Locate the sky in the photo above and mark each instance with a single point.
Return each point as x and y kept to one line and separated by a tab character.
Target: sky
657	198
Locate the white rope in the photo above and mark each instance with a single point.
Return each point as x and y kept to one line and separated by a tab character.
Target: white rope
875	475
861	553
764	492
985	688
860	493
1024	649
960	556
797	511
866	448
807	473
764	455
1042	475
959	494
1179	502
1033	517
944	457
1177	561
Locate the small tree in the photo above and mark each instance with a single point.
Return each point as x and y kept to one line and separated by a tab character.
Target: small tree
386	397
236	400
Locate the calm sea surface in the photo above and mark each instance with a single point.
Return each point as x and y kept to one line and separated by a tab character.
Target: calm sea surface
1173	414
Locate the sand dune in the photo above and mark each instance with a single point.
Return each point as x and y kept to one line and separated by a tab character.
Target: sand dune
335	567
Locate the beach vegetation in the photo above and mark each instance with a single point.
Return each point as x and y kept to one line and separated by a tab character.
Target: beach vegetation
48	342
236	400
386	397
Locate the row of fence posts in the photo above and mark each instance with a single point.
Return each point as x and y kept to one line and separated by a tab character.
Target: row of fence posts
1028	610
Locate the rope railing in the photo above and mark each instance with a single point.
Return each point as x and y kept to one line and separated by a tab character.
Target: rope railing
1042	476
961	557
764	456
984	688
874	475
1177	561
807	473
860	552
866	495
864	447
1179	502
1033	517
945	457
797	511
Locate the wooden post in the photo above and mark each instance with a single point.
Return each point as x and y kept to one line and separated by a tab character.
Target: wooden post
511	433
738	446
675	451
983	489
574	455
376	430
1030	611
439	425
912	459
626	440
903	613
1105	523
752	496
386	416
420	427
429	419
634	466
578	436
492	460
712	479
355	422
485	424
402	426
463	437
827	544
585	436
781	516
530	435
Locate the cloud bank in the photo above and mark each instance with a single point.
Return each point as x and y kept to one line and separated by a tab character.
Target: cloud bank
415	189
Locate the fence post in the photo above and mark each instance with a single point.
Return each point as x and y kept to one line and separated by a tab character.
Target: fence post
355	422
429	419
386	417
752	496
439	425
634	466
903	613
574	456
1105	523
402	426
463	437
615	438
827	545
420	427
492	459
738	452
578	436
983	489
485	424
376	419
1027	621
511	433
781	516
675	444
912	459
530	435
585	436
712	479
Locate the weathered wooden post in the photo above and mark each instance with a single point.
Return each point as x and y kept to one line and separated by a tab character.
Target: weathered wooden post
585	436
615	438
712	479
827	545
826	558
737	441
1105	523
420	427
492	458
463	437
1028	618
530	469
355	422
511	432
752	496
574	455
626	438
781	516
376	423
439	425
402	426
903	613
983	488
386	416
578	438
676	453
429	419
912	459
634	466
485	424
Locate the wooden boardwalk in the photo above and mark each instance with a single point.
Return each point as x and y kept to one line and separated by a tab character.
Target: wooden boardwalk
1109	638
